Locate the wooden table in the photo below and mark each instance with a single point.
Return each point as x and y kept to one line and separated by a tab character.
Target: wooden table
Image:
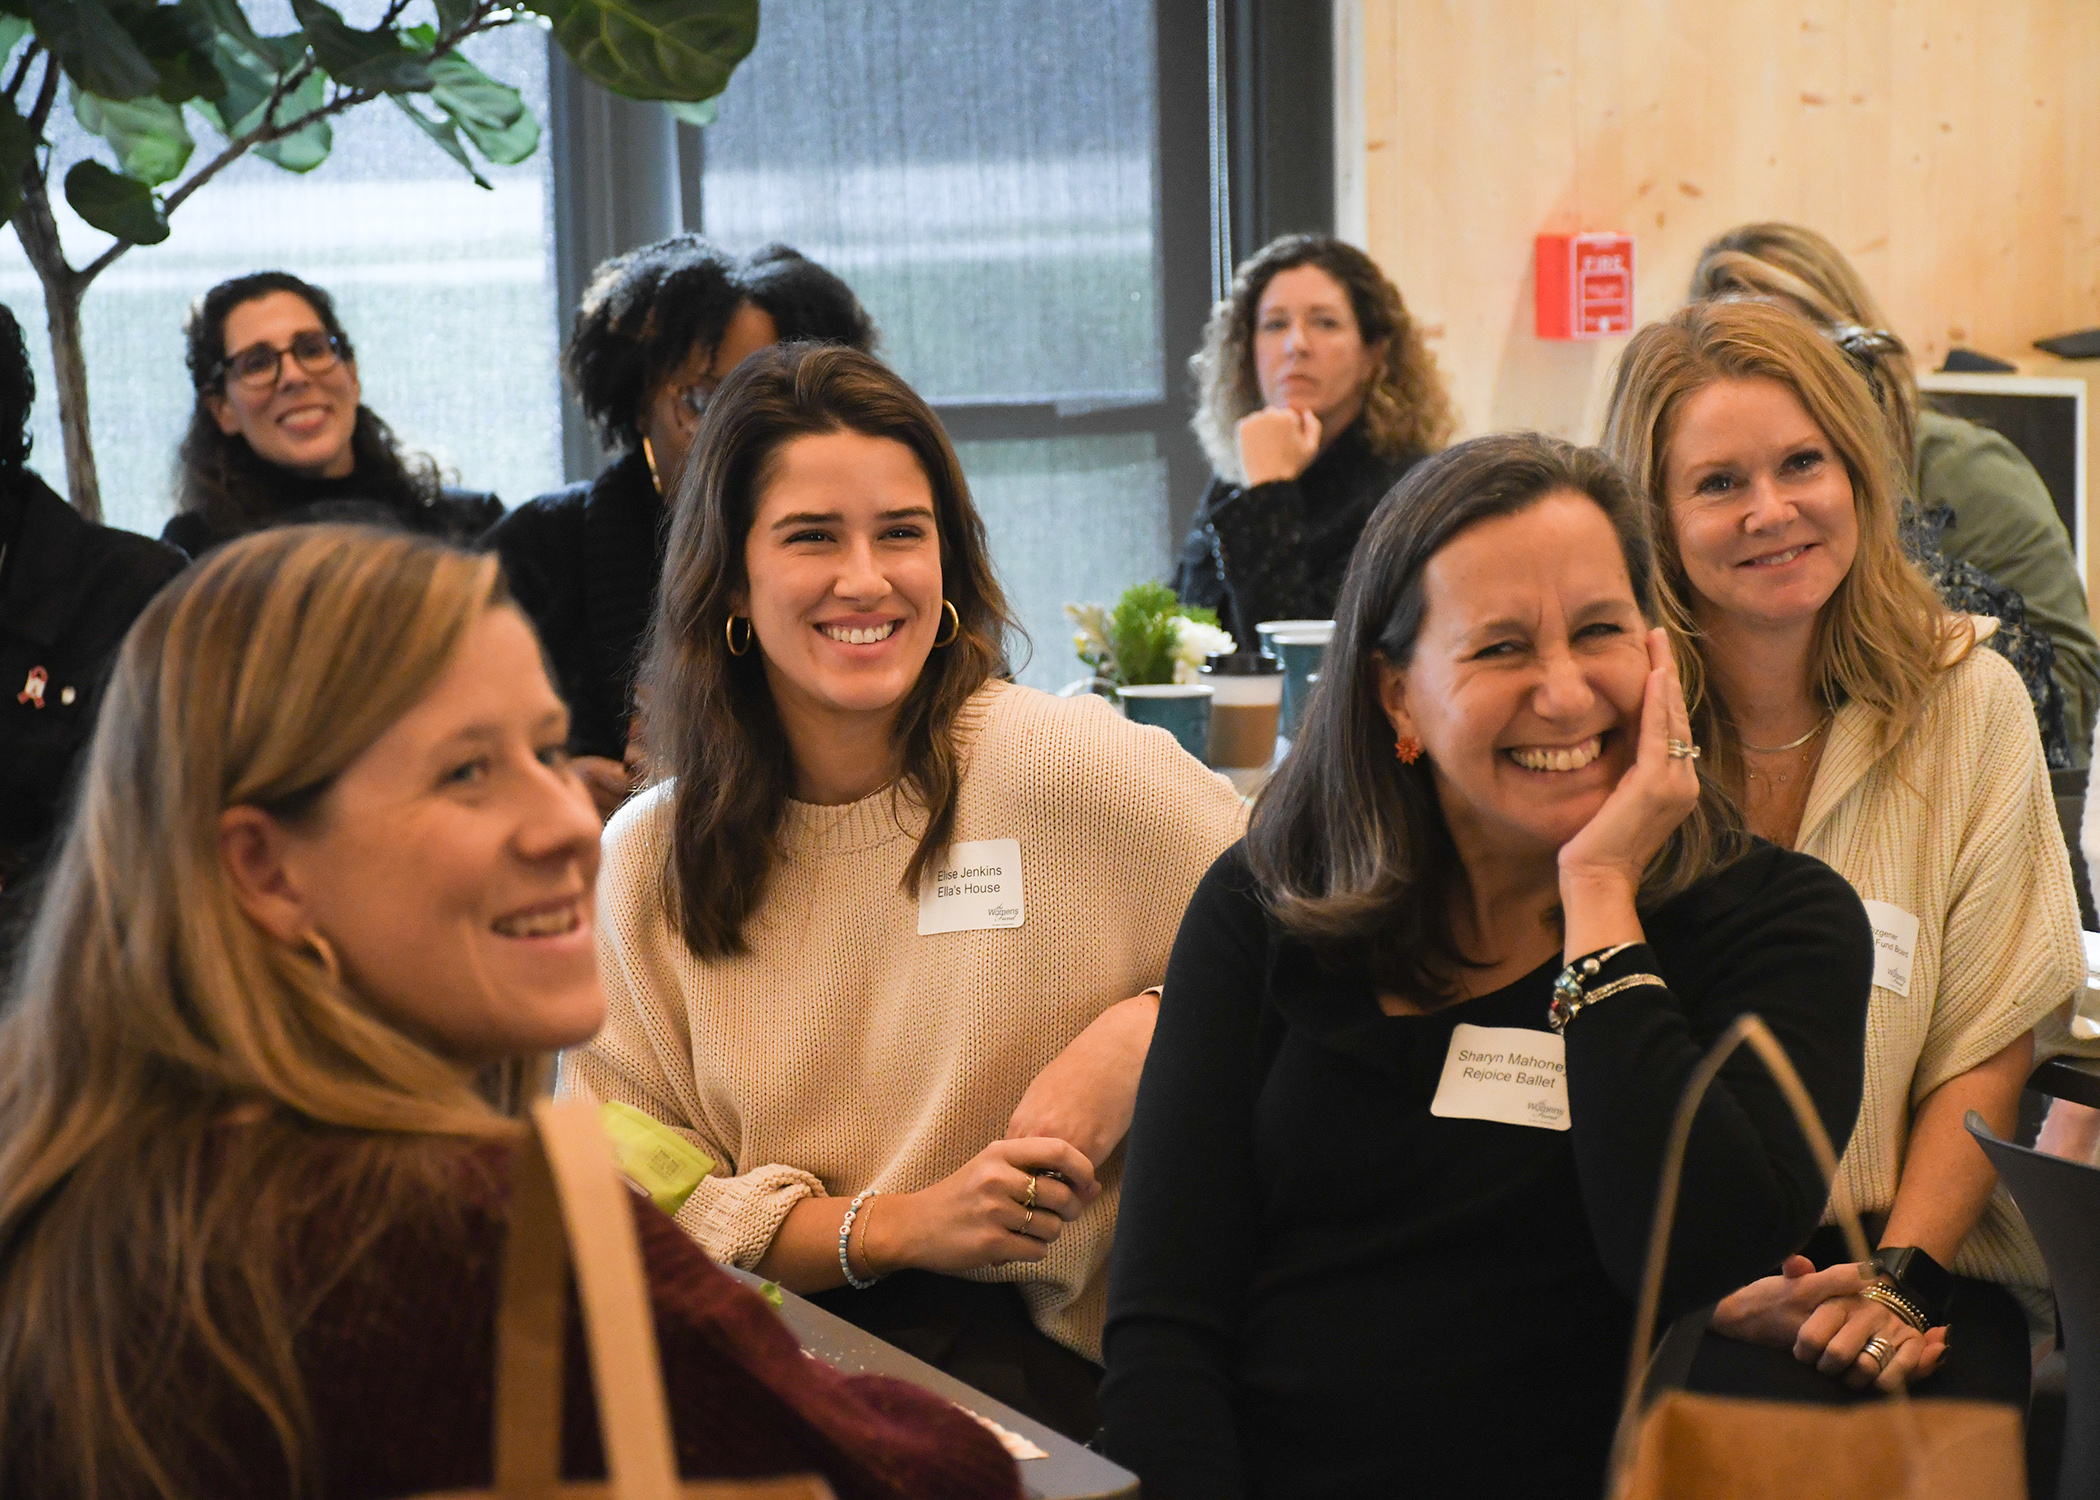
1067	1472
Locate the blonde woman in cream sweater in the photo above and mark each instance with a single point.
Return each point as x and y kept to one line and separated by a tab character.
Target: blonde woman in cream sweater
1854	719
881	944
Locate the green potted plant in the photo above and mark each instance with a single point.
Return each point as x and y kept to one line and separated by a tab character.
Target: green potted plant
1147	651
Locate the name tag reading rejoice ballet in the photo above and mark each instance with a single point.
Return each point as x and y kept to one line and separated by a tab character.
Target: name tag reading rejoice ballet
973	886
1509	1074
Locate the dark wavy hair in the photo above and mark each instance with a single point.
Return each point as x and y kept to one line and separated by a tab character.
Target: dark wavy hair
639	318
1406	410
1348	844
235	489
17	392
713	723
806	302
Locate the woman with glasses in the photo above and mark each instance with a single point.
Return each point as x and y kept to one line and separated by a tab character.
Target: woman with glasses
658	329
280	434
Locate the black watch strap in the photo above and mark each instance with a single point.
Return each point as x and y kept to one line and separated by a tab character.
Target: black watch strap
1919	1277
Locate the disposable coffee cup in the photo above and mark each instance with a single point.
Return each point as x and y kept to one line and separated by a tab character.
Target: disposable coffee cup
1182	709
1246	697
1268	630
1301	651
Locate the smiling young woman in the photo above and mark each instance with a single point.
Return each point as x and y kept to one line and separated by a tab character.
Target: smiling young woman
1390	1179
1851	716
280	433
881	946
330	868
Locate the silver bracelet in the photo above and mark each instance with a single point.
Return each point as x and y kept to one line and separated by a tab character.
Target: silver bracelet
1572	992
845	1233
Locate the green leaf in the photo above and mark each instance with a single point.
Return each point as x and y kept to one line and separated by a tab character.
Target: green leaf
699	116
114	204
223	18
96	52
492	115
655	49
17	151
12	30
151	142
178	45
445	133
306	148
453	14
374	59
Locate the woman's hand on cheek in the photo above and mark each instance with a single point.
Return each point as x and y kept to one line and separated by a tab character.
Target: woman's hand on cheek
1656	794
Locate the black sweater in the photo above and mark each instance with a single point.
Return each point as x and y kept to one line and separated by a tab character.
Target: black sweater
455	515
1279	551
584	563
1319	1288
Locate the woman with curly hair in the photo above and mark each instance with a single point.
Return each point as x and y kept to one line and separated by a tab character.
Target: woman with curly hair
657	330
273	441
1315	395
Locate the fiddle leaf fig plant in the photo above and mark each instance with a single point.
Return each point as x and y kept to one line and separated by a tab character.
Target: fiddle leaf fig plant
135	72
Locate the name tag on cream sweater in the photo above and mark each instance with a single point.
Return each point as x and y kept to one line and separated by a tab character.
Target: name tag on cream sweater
973	886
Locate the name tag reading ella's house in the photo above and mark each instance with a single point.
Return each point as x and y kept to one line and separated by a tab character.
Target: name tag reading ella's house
1505	1073
1895	940
973	886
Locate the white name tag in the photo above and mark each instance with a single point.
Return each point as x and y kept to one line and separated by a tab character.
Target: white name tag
973	886
1505	1073
1895	940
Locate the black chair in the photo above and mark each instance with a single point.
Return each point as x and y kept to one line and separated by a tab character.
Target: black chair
2069	787
2061	1202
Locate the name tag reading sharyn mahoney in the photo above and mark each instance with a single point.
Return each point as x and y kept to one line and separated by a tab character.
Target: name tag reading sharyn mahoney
973	886
1505	1073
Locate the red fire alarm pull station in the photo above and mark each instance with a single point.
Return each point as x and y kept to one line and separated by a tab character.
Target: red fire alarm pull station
1585	285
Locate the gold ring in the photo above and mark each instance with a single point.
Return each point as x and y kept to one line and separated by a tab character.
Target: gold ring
1877	1349
1027	1219
1029	1201
1682	750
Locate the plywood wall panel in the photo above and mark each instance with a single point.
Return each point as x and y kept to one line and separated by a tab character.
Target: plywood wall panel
1951	147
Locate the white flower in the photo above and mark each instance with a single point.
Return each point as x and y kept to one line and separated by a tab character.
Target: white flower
1193	642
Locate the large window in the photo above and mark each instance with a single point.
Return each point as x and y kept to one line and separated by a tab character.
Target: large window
447	291
986	174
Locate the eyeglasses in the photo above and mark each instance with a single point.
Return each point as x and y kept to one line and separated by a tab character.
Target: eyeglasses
256	366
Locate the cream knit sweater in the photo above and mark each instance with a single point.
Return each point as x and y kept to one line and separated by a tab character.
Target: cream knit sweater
1955	824
845	1051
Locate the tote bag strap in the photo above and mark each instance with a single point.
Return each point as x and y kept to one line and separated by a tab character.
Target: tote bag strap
1747	1028
567	1201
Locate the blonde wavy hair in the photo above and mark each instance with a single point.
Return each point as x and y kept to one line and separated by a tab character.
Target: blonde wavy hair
1406	409
1883	638
142	1237
1795	265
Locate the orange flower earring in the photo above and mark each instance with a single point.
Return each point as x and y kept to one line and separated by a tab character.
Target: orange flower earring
1408	749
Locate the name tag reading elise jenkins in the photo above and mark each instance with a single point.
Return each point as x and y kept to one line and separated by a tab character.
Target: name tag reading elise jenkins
972	887
1509	1074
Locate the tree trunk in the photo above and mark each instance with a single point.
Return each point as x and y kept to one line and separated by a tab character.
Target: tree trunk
63	290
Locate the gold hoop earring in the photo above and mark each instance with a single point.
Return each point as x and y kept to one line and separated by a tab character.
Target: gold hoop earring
649	457
324	954
954	626
729	633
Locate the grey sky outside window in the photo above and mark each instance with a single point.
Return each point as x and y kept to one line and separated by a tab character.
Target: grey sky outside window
446	290
984	174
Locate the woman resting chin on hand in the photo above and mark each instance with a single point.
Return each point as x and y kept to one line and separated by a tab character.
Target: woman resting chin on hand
880	944
1853	719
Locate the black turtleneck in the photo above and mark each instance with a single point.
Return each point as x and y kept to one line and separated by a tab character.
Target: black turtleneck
583	562
1278	551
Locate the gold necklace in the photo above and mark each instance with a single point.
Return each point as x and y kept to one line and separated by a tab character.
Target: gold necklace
1781	778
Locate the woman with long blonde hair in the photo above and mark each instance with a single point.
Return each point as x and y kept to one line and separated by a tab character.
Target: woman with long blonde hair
330	871
1977	499
1315	394
1852	717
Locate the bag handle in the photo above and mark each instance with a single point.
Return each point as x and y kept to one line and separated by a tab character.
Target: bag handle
567	1201
1749	1028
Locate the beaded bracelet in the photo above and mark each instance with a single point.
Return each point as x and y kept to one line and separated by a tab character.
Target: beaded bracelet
845	1233
1896	1303
1571	992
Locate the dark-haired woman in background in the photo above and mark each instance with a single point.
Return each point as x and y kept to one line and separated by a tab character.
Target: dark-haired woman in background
1390	1181
1315	394
280	434
881	947
658	329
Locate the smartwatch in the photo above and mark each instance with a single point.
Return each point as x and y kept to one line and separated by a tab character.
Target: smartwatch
1918	1277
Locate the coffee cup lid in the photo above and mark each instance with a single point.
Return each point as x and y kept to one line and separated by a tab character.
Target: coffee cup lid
1242	664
